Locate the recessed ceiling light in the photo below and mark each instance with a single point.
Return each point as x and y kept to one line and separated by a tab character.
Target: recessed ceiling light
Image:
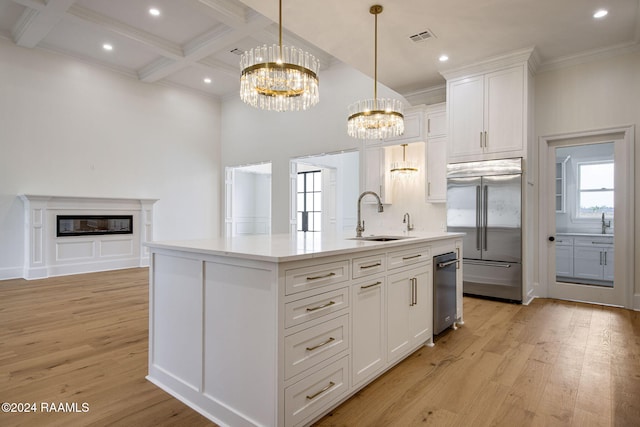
443	58
107	46
600	13
154	11
207	80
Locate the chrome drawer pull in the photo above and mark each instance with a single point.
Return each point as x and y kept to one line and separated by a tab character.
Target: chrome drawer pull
371	285
321	306
313	396
321	277
377	264
331	339
411	257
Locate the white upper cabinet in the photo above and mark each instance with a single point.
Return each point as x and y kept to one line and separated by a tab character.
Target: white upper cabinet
413	128
488	108
436	120
436	154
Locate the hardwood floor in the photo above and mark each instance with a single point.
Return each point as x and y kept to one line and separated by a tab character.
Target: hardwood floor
83	338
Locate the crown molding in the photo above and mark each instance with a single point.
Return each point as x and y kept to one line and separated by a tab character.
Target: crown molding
590	56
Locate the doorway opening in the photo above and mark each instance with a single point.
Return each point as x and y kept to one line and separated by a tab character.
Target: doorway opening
324	191
248	200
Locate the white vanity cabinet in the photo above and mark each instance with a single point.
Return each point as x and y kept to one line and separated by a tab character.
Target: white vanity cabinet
488	108
279	340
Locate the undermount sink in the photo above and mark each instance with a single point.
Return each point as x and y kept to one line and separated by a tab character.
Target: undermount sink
380	238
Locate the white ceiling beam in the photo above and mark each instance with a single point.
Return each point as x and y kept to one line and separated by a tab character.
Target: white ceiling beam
220	38
230	13
157	44
219	66
38	20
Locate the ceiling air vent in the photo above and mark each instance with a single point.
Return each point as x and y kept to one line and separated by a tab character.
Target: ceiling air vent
422	36
236	51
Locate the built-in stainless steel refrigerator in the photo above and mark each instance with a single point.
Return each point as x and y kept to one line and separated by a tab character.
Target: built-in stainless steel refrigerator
484	200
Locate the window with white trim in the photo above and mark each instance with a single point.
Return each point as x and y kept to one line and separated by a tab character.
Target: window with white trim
595	189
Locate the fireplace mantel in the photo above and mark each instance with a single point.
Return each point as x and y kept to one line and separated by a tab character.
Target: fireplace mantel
49	255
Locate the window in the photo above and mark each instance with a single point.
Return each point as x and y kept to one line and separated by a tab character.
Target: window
310	201
595	189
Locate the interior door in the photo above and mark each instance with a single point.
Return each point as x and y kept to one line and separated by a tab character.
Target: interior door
464	213
501	218
587	281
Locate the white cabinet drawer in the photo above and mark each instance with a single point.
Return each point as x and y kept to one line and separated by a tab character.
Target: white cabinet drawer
593	241
408	257
316	393
367	266
315	276
564	241
306	309
311	346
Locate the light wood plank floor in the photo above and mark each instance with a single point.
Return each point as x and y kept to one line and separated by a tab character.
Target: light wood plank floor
83	338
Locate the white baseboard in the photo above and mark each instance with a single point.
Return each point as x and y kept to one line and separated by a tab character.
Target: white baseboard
11	273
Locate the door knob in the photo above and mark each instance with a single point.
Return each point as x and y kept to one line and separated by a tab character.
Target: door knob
552	238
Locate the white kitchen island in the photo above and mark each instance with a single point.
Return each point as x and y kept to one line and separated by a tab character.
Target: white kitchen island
278	330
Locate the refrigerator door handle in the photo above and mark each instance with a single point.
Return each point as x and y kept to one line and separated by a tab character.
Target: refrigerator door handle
485	214
478	235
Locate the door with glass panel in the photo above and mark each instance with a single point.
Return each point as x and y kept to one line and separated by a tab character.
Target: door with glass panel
584	185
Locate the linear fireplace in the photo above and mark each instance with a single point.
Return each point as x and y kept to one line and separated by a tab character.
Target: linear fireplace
70	235
93	225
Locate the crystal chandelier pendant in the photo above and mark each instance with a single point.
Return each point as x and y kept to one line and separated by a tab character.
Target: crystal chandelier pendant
279	78
405	168
376	118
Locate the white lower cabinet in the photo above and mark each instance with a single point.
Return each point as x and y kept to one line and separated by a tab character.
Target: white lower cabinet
587	258
564	257
368	354
318	329
409	310
314	394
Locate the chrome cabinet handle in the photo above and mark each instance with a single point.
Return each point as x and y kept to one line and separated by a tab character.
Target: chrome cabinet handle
600	258
313	396
480	139
411	257
485	139
371	285
363	267
331	339
321	306
605	258
321	277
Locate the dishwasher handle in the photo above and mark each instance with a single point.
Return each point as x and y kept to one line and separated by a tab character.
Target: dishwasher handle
445	264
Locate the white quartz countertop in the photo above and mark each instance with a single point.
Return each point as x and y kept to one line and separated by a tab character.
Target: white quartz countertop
285	247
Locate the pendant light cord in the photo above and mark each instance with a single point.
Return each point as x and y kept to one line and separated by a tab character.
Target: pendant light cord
280	28
375	64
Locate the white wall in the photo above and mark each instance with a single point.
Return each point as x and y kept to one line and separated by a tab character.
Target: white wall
595	95
71	129
252	136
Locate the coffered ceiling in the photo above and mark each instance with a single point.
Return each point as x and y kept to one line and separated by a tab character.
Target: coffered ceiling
191	40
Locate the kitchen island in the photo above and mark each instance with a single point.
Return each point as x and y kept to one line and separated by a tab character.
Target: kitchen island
278	330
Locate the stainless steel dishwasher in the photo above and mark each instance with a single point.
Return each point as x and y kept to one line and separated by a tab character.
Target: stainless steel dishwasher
444	291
